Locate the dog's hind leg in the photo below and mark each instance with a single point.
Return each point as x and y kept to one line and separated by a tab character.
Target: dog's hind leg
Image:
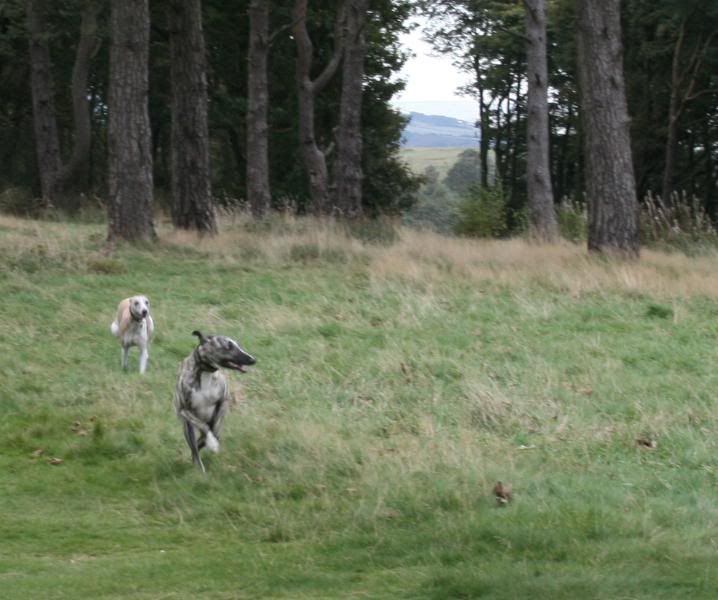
192	443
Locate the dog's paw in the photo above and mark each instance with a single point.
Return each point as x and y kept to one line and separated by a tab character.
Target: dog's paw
212	443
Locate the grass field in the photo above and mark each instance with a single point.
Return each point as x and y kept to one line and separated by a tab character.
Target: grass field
442	159
395	385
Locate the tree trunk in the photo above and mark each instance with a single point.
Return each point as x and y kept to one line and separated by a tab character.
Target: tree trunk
542	217
191	187
683	82
562	167
710	170
128	132
54	176
258	191
484	141
348	166
483	123
314	158
78	165
513	134
47	143
610	184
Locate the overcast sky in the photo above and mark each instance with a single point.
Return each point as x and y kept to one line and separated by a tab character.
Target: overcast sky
431	83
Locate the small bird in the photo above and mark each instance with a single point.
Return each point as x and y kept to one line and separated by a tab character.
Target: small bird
503	493
647	442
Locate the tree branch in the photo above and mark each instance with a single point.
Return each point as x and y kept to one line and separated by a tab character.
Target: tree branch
516	34
339	35
275	34
701	93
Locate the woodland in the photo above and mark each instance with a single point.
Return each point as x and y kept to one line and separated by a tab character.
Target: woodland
190	107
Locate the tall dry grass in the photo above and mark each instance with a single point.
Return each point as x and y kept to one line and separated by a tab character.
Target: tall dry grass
566	266
416	255
427	256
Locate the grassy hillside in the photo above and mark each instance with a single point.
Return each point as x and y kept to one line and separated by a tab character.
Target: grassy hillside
442	159
394	386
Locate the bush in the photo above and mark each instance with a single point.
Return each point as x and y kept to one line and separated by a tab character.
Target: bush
436	208
572	220
104	265
482	212
682	223
19	201
380	231
465	172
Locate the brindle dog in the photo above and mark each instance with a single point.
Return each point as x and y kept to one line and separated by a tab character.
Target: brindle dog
202	394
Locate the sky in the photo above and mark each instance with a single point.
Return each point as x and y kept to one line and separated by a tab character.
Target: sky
431	83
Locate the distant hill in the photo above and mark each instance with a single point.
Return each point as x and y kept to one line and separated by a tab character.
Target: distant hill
435	131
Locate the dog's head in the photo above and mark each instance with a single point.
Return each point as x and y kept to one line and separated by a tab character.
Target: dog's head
139	307
218	351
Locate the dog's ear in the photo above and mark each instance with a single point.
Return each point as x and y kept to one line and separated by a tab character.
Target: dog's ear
201	336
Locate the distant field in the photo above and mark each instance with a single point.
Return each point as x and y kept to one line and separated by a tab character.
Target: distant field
395	384
442	159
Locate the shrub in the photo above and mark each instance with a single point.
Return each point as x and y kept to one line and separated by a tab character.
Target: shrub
465	172
681	223
436	208
572	220
104	265
19	201
380	231
304	252
482	212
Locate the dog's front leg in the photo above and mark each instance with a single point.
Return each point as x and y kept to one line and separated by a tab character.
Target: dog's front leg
144	355
192	443
209	437
191	418
217	422
125	353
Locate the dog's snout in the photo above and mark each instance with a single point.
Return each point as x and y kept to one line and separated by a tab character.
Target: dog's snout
251	360
144	312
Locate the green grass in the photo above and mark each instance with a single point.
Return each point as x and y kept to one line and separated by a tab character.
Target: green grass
394	386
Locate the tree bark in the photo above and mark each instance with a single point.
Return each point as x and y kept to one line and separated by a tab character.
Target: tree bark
191	187
483	122
314	158
683	82
54	175
610	185
542	217
128	132
78	164
47	145
512	130
258	190
348	173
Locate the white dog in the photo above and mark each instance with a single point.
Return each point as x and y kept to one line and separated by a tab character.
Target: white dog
134	326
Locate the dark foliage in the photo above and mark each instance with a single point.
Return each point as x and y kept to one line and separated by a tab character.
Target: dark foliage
388	185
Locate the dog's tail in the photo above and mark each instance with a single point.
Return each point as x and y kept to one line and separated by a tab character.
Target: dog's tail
115	328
